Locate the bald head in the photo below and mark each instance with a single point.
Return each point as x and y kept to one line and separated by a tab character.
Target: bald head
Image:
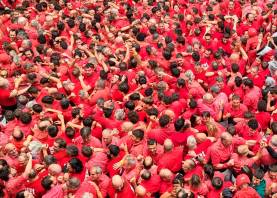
140	191
234	57
165	174
226	139
54	169
117	181
3	82
107	132
170	113
168	145
191	142
208	98
188	165
200	137
127	126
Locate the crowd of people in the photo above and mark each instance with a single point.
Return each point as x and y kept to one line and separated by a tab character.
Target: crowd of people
138	98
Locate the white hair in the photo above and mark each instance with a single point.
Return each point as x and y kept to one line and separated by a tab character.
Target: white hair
119	114
191	141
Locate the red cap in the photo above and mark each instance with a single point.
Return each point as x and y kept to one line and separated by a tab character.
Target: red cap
242	179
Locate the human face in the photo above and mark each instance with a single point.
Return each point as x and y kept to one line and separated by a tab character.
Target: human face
152	148
251	17
12	35
12	151
231	5
107	139
256	181
118	188
208	38
273	176
227	142
235	103
93	175
56	147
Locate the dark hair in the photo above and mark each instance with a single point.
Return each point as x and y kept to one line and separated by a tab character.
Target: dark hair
71	23
148	91
238	81
4	173
195	56
273	127
25	117
217	183
9	115
114	150
41	39
179	124
107	112
72	150
246	170
258	173
195	180
61	142
70	132
231	130
87	151
253	124
134	96
88	121
47	100
46	183
49	159
248	82
262	106
52	130
209	170
146	175
138	133
133	117
85	132
123	87
76	165
164	120
75	112
181	82
235	67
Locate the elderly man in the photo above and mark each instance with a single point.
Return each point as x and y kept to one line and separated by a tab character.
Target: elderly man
120	188
172	157
220	152
269	154
8	96
100	179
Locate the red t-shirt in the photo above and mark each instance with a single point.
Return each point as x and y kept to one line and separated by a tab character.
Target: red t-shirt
5	99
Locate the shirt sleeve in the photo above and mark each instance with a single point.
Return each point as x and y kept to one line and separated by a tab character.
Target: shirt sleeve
14	184
215	157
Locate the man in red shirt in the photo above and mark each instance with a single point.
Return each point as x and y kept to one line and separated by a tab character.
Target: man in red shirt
233	111
243	188
120	188
252	95
100	179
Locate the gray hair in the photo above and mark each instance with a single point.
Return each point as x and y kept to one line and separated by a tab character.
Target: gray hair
130	159
98	169
73	183
119	114
191	141
100	84
189	74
